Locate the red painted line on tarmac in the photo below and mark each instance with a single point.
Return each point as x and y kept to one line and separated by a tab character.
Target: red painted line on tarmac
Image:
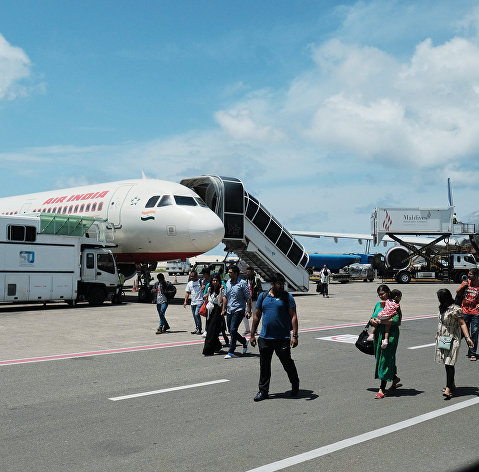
97	353
104	352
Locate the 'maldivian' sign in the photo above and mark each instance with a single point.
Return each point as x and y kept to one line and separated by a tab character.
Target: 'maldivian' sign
411	221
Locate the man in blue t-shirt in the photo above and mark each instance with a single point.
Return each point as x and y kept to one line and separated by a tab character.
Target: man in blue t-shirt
278	310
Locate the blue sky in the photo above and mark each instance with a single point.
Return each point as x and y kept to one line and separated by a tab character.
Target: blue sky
324	109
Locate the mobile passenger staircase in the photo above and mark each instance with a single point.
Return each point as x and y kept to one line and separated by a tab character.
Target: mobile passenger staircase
251	232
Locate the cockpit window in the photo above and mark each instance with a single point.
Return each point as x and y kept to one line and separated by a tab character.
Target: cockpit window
185	201
165	201
201	203
152	201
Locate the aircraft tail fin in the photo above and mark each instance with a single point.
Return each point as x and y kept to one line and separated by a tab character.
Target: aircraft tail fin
449	192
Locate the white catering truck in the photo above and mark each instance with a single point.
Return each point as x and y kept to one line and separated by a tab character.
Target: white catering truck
55	257
178	267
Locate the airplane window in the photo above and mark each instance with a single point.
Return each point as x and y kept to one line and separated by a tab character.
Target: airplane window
87	207
100	206
49	210
70	209
152	201
184	201
93	207
65	209
165	201
201	203
76	208
81	208
54	210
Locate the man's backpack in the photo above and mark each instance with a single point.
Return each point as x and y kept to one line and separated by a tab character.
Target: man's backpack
170	291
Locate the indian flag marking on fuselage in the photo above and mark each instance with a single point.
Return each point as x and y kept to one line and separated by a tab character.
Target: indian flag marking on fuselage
148	215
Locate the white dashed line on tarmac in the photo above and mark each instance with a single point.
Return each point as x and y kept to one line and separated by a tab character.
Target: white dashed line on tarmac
165	390
423	345
377	433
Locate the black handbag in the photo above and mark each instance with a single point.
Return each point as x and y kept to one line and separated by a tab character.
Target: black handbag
363	344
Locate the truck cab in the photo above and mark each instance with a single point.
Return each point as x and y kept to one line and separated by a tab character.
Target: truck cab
99	275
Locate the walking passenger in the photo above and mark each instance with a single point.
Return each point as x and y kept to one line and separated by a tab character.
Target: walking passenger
325	274
235	298
469	290
451	323
193	289
214	295
164	291
204	282
254	285
278	310
386	369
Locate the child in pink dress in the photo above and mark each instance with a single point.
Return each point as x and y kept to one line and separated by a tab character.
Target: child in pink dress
390	309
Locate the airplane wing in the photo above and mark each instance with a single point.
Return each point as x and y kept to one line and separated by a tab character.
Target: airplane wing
416	240
336	236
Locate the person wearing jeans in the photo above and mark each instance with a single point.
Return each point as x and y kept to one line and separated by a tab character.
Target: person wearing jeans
235	298
193	289
469	290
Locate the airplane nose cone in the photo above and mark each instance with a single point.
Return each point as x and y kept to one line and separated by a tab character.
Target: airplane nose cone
206	231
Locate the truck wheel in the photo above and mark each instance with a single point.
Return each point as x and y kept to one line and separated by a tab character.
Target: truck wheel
96	296
71	303
460	277
403	277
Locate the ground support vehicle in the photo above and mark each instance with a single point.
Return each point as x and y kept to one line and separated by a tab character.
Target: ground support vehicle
448	267
56	257
178	267
421	259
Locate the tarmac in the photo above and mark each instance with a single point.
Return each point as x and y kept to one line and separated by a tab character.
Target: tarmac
89	389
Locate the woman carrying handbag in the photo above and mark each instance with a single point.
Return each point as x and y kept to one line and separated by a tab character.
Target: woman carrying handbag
448	337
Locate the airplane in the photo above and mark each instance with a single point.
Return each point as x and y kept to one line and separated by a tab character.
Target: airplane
153	220
414	240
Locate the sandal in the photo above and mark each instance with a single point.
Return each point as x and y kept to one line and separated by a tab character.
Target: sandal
379	395
473	358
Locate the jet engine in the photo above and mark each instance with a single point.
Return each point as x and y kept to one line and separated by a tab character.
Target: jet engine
397	257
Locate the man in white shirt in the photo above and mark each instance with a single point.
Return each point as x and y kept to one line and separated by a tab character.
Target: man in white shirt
193	289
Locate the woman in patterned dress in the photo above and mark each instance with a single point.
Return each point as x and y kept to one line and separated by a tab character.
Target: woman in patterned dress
450	323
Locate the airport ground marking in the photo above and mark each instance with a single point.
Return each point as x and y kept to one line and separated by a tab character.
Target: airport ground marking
377	433
423	345
104	352
58	357
165	390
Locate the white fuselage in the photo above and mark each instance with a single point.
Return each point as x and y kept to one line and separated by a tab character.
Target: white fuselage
182	226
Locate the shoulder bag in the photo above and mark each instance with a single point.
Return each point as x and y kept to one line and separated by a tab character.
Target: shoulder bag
203	310
363	344
444	342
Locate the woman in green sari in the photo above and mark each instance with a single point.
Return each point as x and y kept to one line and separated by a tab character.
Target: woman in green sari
385	358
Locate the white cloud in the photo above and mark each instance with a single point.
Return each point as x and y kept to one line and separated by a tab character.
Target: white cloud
14	67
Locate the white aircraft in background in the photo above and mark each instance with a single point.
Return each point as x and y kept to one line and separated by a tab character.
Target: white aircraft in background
154	220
